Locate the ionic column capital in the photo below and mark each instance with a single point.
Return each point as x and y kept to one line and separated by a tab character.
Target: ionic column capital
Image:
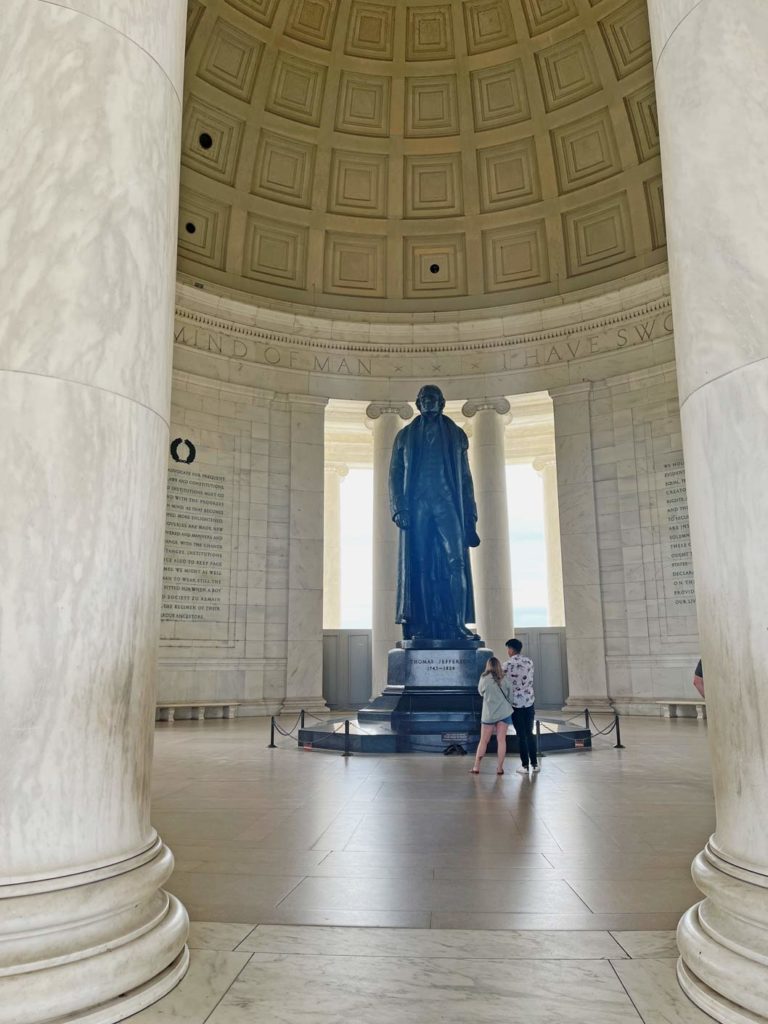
475	405
378	409
340	469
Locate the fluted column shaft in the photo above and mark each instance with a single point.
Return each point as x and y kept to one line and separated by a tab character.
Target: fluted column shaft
491	563
710	79
91	109
387	419
334	474
546	467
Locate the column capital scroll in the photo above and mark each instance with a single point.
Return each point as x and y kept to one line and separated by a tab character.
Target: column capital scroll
475	405
377	409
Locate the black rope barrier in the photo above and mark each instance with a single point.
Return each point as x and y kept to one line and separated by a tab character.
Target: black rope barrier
317	743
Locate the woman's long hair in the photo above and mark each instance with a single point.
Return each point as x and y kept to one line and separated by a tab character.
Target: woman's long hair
493	668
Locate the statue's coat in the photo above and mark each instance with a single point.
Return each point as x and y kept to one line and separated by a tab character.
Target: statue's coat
403	474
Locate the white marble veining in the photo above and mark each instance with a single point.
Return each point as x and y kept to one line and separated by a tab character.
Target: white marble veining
152	29
710	81
383	990
211	973
654	990
387	942
214	935
87	250
647	945
90	211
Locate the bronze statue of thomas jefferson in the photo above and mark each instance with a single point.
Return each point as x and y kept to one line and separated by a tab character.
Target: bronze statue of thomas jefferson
433	504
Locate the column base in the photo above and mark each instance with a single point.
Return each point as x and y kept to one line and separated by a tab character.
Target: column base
93	947
723	941
596	705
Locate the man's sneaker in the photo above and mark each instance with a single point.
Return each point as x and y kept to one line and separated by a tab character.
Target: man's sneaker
522	771
536	768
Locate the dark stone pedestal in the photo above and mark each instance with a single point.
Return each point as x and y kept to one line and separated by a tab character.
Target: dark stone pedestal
429	704
431	694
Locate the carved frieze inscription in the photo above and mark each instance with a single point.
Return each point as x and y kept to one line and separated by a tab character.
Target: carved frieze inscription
504	354
196	568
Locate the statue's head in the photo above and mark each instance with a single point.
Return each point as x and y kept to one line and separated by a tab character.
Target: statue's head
430	399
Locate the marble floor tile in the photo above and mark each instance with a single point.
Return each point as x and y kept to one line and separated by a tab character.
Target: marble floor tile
227	897
507	945
478	895
628	896
647	945
396	990
652	985
414	841
348	864
347	918
203	826
584	920
227	858
213	935
210	975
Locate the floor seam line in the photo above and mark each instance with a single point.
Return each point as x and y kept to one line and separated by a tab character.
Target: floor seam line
228	989
291	890
620	945
244	939
626	990
591	911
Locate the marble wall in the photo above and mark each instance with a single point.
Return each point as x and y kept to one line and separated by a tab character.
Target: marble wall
229	605
646	575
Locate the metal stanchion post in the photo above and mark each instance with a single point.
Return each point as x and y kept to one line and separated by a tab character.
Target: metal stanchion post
538	740
272	733
347	751
618	745
301	719
586	717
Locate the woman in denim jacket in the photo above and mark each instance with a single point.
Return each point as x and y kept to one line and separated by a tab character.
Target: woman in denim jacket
496	715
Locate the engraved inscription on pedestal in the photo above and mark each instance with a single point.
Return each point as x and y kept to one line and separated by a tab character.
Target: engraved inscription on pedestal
196	568
435	670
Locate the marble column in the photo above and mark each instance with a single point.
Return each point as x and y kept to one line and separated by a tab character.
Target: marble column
546	467
710	79
334	474
91	109
387	419
584	630
304	669
491	564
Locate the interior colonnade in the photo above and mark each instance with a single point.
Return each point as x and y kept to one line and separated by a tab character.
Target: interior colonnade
645	412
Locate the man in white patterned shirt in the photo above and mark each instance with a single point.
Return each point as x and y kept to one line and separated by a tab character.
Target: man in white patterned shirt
519	672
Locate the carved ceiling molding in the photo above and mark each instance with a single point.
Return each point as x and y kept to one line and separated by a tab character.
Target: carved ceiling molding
493	342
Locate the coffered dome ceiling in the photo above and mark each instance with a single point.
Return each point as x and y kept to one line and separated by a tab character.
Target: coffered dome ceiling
398	156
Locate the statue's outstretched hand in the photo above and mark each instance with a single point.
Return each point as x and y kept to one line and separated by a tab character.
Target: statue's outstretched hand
402	520
473	541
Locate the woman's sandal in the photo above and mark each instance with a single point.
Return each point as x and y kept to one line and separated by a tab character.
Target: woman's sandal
475	769
499	771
